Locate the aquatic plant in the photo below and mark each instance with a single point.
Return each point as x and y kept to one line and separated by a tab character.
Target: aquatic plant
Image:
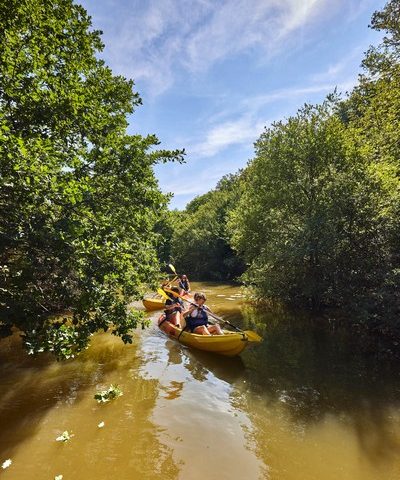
106	395
65	437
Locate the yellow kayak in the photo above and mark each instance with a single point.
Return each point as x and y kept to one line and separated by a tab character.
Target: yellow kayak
153	303
229	344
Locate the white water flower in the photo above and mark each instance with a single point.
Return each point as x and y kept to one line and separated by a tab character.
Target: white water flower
58	477
7	463
101	424
65	436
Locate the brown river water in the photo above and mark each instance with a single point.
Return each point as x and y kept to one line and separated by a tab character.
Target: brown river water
305	404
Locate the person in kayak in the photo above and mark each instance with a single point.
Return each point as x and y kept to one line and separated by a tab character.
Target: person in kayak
197	319
184	285
173	308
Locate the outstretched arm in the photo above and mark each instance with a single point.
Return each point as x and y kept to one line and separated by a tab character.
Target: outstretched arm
189	311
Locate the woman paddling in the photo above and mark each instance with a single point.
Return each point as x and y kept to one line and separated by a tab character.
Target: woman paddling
173	308
197	319
184	285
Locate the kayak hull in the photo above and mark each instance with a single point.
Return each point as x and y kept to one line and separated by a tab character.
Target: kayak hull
153	304
230	344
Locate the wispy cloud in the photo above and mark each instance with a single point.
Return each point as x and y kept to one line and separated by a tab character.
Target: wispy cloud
185	183
243	124
154	41
336	70
357	8
238	25
244	130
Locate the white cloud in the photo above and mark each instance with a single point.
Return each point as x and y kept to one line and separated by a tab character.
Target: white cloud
351	61
152	41
183	182
244	123
357	8
245	130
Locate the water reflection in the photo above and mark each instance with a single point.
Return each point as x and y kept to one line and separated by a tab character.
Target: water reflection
201	364
305	404
40	398
314	373
205	430
311	369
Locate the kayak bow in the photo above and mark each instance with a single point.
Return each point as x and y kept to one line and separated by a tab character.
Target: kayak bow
153	304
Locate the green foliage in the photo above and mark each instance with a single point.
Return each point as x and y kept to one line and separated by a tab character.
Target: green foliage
165	231
200	240
316	214
295	222
78	197
106	396
318	220
374	122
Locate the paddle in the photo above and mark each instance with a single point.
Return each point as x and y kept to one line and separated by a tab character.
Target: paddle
173	269
252	336
178	276
163	294
174	272
175	277
171	281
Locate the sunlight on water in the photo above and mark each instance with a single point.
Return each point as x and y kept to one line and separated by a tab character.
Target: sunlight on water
303	405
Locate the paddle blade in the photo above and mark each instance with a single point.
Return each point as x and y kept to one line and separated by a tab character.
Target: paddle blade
253	336
168	290
161	292
172	268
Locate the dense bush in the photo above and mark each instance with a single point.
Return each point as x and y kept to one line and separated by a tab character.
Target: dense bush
78	197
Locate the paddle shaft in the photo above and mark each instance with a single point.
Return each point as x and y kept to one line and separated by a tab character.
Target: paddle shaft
208	311
177	275
252	336
163	294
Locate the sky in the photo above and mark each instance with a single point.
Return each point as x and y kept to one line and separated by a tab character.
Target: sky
212	74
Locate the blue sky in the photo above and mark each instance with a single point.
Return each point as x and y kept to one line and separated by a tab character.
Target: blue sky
213	73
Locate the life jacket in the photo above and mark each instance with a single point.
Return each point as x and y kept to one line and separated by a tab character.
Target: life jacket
199	314
197	318
184	285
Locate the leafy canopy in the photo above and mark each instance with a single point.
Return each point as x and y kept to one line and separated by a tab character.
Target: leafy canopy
78	196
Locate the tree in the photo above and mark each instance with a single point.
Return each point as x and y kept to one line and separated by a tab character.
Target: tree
304	222
78	199
201	242
373	113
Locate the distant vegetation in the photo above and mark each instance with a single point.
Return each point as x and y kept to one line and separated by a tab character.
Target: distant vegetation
315	216
200	238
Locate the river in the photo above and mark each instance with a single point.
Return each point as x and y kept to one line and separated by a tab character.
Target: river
307	403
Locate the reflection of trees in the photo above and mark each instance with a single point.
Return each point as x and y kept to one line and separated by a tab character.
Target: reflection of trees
314	371
30	387
174	352
173	390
